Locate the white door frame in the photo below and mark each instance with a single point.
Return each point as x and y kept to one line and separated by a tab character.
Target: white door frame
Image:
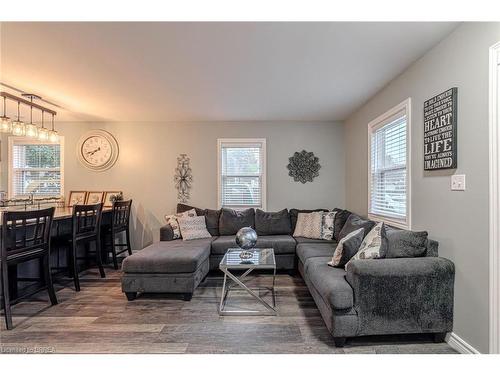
494	137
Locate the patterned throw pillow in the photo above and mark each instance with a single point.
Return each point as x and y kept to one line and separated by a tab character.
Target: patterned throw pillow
327	225
193	228
309	225
374	246
173	222
347	248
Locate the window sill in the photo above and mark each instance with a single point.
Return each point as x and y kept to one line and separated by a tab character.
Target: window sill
390	221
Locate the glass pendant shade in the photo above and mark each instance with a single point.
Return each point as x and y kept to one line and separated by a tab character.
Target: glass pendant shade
31	130
53	136
43	134
18	128
5	125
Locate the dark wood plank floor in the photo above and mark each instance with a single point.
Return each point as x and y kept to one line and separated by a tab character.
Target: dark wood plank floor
99	319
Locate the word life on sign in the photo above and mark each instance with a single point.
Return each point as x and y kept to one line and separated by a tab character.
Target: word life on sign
440	131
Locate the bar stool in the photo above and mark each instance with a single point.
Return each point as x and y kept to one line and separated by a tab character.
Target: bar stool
119	224
86	227
25	236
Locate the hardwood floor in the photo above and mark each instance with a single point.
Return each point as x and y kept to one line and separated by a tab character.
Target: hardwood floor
99	319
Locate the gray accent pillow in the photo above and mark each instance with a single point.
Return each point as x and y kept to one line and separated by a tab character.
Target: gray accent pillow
193	228
211	217
294	213
231	221
347	248
354	222
340	218
270	223
374	245
405	243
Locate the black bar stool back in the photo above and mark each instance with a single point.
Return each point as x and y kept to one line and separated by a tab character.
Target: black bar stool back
119	224
86	227
25	236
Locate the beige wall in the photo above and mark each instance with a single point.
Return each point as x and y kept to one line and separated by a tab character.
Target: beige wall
458	220
148	157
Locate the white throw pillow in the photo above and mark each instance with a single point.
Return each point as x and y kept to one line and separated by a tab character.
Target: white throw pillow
309	225
347	248
193	228
372	246
327	225
172	220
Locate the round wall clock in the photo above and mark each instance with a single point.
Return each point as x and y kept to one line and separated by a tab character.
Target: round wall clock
97	150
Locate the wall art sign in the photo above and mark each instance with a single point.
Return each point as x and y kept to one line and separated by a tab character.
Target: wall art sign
303	166
440	131
183	178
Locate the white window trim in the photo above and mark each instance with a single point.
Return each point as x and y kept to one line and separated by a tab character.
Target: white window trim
262	141
14	140
372	126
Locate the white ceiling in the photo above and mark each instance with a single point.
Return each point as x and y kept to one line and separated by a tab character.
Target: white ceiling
210	71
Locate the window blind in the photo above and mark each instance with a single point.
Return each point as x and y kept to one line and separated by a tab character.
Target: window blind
241	174
388	195
36	169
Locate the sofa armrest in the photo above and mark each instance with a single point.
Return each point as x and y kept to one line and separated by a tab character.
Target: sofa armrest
166	233
403	295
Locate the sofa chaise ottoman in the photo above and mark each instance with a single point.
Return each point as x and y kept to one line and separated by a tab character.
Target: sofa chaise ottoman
166	267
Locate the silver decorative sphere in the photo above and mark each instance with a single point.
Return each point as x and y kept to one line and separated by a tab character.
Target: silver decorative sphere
246	238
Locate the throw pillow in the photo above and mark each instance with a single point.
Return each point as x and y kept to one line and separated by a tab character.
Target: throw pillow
327	225
374	245
172	220
193	228
309	225
354	222
271	223
347	248
211	217
340	218
294	213
231	221
405	243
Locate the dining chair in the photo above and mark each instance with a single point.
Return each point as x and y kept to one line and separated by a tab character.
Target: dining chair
25	235
120	220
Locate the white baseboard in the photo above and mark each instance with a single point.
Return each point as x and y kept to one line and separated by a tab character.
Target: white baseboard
460	345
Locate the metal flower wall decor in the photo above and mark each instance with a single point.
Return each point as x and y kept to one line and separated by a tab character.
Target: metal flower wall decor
183	178
303	166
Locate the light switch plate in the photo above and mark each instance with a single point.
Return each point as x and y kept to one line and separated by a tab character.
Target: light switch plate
458	182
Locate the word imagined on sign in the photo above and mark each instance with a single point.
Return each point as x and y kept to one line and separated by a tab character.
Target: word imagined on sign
440	131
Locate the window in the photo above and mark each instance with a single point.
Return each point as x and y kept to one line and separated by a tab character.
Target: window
389	166
242	173
35	168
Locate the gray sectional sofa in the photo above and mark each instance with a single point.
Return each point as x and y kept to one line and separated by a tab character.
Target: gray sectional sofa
395	295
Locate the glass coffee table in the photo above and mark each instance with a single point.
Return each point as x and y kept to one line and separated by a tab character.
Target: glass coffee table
262	259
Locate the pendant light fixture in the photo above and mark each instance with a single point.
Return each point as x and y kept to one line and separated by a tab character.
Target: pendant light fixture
18	127
43	133
31	129
53	136
5	123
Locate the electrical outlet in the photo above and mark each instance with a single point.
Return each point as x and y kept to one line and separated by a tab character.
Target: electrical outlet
458	182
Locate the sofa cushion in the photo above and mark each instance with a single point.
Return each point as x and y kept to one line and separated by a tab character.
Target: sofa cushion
169	257
211	217
348	247
272	223
231	221
355	222
282	244
294	213
405	243
340	218
312	250
329	282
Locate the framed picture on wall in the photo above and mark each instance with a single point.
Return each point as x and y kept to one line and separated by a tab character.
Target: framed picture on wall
108	195
94	197
76	197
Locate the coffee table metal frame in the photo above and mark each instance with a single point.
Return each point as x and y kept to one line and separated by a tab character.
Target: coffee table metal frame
240	285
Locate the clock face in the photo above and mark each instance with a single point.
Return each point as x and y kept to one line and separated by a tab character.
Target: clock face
97	150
